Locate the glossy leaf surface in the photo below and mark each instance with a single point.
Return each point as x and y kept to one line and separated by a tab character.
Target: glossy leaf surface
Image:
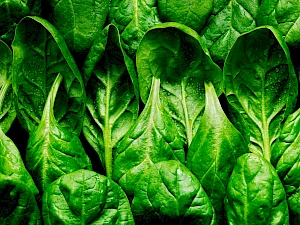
40	53
260	84
169	193
153	138
52	151
17	203
255	194
214	151
112	103
78	21
174	54
85	197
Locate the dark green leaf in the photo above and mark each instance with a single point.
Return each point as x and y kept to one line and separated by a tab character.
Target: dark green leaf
17	203
260	83
79	22
192	13
285	158
112	106
133	18
53	151
255	194
7	109
85	197
153	138
214	151
168	193
39	55
11	163
174	53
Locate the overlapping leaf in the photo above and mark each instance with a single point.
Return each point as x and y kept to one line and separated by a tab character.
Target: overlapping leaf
169	193
174	54
260	83
153	138
213	152
79	22
40	53
255	194
53	151
85	197
112	95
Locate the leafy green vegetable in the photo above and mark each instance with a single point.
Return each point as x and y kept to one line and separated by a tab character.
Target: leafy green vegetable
169	193
39	55
284	16
255	194
285	158
7	109
112	105
174	54
17	203
214	151
12	11
192	13
153	138
52	151
133	18
78	21
11	163
85	197
260	83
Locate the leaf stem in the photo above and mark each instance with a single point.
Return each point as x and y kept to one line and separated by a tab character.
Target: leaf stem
107	134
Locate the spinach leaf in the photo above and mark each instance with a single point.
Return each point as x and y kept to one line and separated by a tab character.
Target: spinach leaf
85	197
260	83
285	158
7	109
12	11
78	21
53	151
17	203
39	55
174	54
192	13
255	194
11	163
169	193
214	151
284	16
153	138
133	18
112	96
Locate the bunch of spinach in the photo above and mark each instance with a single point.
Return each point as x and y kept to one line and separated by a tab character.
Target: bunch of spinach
185	110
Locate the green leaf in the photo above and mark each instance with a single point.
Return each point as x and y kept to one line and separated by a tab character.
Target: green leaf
40	53
85	197
192	13
11	163
7	108
285	158
153	138
284	16
53	151
112	105
133	18
260	83
17	203
214	151
79	22
255	194
174	53
12	11
169	193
